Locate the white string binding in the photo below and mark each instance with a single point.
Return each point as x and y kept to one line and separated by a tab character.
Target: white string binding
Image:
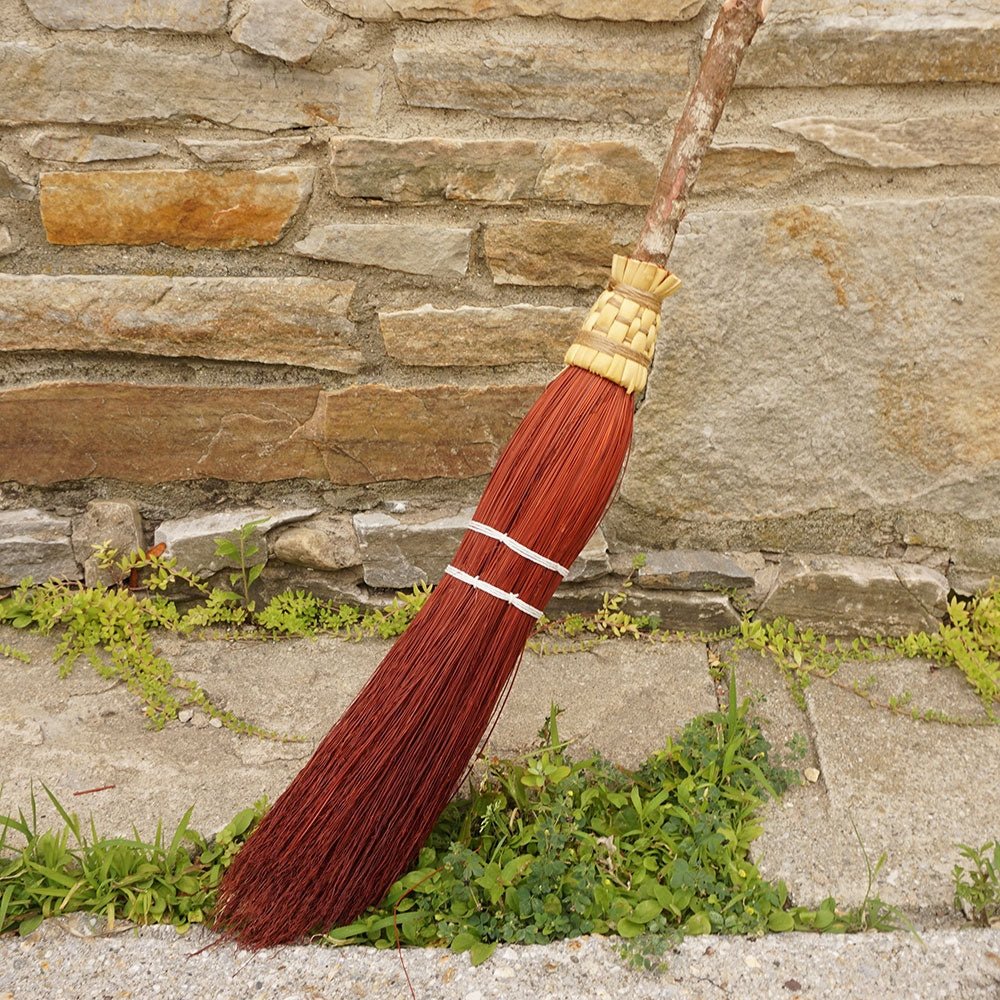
516	546
488	588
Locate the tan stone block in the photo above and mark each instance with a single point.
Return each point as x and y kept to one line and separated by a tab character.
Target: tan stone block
597	173
14	186
927	141
119	81
433	250
57	431
824	368
286	29
53	432
582	82
87	147
193	209
324	543
476	335
423	433
741	166
425	170
247	150
88	15
434	10
294	321
547	252
819	43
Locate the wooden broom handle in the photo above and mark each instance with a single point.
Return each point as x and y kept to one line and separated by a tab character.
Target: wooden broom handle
734	29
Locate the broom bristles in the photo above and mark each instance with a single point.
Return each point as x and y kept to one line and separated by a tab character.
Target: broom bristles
358	812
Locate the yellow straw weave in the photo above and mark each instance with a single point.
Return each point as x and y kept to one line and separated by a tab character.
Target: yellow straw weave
619	334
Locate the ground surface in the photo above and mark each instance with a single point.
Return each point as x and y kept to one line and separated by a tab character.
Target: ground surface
913	790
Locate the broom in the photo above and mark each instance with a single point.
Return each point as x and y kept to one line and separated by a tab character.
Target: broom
357	813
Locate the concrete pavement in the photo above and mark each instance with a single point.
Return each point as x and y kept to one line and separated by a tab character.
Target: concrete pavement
912	789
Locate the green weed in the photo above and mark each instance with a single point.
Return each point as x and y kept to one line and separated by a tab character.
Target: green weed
544	847
977	884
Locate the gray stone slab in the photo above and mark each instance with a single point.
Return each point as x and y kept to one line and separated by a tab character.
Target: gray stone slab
685	611
622	698
843	595
35	544
687	569
433	250
115	523
192	540
914	789
84	732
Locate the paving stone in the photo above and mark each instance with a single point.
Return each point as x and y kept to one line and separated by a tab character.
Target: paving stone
433	250
296	321
57	431
816	43
115	523
549	252
192	540
579	82
193	209
88	15
684	569
753	435
284	147
287	29
36	544
478	335
87	147
924	141
323	543
120	81
837	593
432	10
8	244
600	691
893	777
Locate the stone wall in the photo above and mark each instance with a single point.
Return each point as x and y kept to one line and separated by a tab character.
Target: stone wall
314	258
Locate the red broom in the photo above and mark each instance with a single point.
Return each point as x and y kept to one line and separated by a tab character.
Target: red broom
355	816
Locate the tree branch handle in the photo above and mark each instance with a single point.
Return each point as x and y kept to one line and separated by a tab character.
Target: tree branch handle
734	29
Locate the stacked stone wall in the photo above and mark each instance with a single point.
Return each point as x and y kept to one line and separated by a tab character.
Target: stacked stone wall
291	256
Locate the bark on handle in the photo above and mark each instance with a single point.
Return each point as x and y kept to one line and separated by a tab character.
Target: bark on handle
734	29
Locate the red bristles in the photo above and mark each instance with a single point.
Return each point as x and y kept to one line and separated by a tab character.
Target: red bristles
355	816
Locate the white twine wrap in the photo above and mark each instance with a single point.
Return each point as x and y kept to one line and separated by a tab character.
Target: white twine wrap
488	588
516	546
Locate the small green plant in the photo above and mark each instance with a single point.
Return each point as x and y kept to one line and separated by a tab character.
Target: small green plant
968	640
544	847
52	873
241	550
548	847
9	652
977	884
112	630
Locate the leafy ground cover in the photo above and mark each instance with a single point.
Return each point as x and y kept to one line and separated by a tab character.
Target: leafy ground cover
543	847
